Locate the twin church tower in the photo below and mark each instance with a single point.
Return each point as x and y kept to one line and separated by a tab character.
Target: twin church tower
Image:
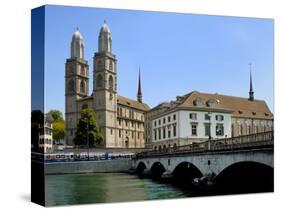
121	119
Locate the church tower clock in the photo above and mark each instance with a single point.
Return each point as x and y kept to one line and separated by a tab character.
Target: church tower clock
76	84
105	87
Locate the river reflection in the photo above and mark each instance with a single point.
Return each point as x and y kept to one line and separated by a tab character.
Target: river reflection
105	187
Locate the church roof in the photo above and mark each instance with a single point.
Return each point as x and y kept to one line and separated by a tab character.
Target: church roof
238	106
132	103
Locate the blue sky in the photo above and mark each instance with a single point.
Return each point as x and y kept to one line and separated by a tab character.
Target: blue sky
178	53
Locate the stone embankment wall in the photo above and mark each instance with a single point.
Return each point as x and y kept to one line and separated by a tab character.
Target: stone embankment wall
121	165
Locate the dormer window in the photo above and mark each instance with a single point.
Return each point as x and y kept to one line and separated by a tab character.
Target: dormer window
266	114
240	112
197	101
210	102
254	113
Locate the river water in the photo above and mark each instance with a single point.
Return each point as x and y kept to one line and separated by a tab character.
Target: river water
69	189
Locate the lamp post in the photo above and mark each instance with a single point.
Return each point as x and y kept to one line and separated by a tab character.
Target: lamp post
88	141
209	141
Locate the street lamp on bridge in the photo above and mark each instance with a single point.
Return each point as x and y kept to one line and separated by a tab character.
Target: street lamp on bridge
210	137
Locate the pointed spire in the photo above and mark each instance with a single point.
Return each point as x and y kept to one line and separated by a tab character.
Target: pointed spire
139	95
251	92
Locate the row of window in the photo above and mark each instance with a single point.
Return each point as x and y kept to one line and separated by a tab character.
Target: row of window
161	133
100	65
138	134
160	148
207	127
46	131
71	87
45	141
164	120
130	123
243	130
100	81
80	70
132	114
193	116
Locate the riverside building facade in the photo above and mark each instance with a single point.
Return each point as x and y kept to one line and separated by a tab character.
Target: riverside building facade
197	117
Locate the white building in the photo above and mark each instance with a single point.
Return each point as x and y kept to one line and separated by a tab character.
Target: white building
194	117
46	136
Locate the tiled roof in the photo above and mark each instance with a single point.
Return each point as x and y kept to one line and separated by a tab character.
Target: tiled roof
132	103
240	107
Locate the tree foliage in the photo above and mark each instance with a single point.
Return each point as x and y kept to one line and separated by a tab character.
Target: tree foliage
58	124
88	128
56	115
58	130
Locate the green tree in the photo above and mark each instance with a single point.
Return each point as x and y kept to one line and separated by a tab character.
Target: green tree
88	127
58	130
58	124
56	115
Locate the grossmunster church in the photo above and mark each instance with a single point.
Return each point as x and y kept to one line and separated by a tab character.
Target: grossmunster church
121	119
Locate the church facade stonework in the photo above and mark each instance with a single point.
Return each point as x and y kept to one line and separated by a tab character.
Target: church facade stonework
121	119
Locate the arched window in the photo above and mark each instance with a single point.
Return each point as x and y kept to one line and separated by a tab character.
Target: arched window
99	64
241	129
82	87
99	81
232	130
70	86
127	142
82	72
110	65
110	80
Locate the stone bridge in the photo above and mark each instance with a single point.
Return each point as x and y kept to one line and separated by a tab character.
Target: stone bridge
252	154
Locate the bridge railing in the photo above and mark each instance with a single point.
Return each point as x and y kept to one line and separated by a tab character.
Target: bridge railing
239	142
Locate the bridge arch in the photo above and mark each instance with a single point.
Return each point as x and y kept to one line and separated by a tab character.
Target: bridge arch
185	172
157	169
140	168
245	177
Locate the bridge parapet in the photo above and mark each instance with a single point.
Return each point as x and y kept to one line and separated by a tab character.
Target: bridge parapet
257	140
